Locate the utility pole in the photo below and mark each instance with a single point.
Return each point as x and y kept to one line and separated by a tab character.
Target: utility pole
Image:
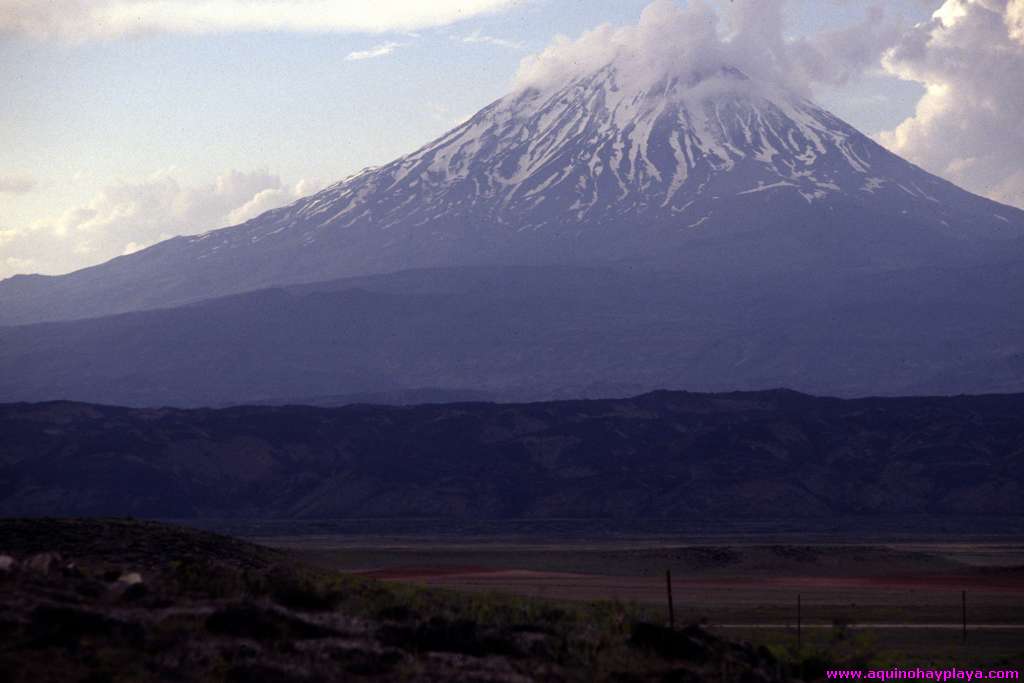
671	607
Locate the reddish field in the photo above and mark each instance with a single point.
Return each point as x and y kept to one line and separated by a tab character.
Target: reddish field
903	600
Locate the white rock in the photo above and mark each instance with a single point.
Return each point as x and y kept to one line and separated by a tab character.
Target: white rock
130	579
43	562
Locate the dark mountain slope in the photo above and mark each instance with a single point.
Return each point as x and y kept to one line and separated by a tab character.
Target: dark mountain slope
721	458
540	333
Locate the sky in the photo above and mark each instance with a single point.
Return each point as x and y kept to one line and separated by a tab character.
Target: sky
125	122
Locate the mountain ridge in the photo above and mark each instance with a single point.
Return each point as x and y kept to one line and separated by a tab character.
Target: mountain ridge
538	333
666	455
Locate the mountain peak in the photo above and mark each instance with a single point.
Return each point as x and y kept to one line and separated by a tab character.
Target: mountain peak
601	149
626	155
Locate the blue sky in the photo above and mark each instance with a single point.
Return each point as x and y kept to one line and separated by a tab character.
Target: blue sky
200	119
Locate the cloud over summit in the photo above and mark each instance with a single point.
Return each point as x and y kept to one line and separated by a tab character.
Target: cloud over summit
969	57
672	39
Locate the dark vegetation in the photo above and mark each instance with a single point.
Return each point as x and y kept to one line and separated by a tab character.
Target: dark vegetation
745	458
117	600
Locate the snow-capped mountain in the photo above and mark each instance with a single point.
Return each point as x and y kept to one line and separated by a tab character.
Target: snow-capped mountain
597	152
709	171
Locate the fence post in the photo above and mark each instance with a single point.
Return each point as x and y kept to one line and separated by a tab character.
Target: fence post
799	636
799	624
963	609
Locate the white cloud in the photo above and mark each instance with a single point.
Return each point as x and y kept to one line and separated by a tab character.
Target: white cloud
1015	20
16	184
376	51
644	52
8	235
104	19
273	197
19	265
675	40
479	38
130	216
967	125
133	247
